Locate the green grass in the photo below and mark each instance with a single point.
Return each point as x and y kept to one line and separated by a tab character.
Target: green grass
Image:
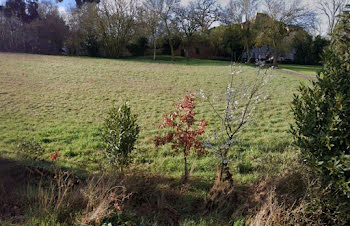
55	104
303	69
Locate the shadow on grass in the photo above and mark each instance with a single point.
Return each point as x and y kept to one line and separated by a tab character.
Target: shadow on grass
154	199
14	178
165	59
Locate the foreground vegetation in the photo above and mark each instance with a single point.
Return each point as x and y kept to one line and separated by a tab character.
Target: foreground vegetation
53	113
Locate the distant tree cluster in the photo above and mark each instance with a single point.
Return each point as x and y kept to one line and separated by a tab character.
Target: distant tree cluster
33	27
120	28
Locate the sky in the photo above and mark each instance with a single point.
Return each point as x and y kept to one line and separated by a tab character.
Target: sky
66	4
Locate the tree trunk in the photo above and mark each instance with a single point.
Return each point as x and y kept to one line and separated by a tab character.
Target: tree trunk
170	41
222	195
154	48
186	170
275	56
188	55
223	174
171	49
248	54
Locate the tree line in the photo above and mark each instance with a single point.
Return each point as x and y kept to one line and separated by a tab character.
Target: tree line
121	28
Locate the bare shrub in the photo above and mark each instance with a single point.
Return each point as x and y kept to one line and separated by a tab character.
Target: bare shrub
102	197
297	197
83	203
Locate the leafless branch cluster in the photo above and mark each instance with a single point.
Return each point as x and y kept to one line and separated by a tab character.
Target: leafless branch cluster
240	105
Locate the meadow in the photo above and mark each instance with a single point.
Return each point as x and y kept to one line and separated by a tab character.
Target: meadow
61	102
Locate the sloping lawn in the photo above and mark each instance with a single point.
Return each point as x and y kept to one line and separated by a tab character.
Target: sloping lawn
61	102
302	69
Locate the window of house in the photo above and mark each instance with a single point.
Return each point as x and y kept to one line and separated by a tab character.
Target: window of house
198	51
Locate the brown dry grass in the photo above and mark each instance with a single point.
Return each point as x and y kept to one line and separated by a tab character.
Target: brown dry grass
292	197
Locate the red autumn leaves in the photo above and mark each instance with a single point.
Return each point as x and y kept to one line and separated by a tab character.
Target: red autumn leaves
183	134
55	156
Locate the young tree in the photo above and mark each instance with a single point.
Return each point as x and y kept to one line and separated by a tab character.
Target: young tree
184	134
331	9
240	105
119	134
11	34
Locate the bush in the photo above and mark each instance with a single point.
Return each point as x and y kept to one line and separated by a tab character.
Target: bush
322	114
120	132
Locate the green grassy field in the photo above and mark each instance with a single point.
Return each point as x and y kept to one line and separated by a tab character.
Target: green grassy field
55	104
303	69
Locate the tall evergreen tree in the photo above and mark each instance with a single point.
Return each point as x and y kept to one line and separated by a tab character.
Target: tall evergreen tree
322	113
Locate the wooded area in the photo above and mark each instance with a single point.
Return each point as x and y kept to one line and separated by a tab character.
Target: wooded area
122	28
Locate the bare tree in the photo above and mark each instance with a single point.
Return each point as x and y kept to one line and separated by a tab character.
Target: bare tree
239	11
283	18
291	12
166	12
243	12
331	9
188	24
240	105
116	23
207	12
151	17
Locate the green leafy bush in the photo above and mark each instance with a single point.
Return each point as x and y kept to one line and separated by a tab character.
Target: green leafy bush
322	113
120	132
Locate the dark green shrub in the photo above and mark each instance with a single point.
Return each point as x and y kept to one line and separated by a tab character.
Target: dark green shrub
120	132
322	114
